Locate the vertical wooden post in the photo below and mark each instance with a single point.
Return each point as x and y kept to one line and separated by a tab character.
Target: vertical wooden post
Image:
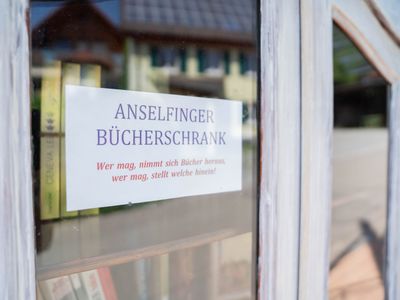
17	272
393	210
316	147
279	209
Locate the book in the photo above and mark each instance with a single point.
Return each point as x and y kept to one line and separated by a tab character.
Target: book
90	76
50	100
49	177
78	287
164	276
70	75
99	284
107	283
49	143
59	288
93	287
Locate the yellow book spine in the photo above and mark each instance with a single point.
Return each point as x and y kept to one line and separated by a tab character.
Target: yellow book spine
51	99
50	142
91	76
70	75
49	177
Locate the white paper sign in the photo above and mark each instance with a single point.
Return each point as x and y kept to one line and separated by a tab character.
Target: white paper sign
129	147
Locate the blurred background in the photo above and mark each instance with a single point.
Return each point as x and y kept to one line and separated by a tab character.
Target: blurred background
360	153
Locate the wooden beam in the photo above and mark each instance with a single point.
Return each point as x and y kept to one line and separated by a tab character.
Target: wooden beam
117	258
280	150
17	271
316	147
358	21
392	280
377	39
388	13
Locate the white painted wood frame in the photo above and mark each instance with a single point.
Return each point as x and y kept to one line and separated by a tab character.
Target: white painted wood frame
363	21
376	38
296	133
316	147
17	252
376	35
279	207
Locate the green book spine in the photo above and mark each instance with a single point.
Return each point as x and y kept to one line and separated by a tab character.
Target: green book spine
70	75
90	76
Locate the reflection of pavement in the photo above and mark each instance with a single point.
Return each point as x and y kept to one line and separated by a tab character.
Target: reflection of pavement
359	185
356	277
358	212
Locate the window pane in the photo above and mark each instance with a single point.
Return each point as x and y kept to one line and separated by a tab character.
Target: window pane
199	247
360	151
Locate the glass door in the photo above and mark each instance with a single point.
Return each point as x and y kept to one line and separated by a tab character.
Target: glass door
189	247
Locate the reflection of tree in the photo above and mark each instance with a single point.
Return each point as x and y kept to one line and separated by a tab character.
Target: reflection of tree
349	64
361	267
359	89
377	245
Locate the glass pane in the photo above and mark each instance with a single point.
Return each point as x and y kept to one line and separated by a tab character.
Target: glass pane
199	247
360	151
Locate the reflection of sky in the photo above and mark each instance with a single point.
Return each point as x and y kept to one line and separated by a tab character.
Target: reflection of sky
42	9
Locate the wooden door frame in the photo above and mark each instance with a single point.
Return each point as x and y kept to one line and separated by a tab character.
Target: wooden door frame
373	27
17	252
296	139
296	131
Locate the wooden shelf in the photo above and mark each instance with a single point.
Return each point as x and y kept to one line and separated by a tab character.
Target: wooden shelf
86	264
78	244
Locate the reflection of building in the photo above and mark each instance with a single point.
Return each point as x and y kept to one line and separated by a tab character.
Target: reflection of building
145	51
217	59
76	44
78	33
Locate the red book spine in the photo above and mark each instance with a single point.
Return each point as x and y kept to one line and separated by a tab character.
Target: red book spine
107	283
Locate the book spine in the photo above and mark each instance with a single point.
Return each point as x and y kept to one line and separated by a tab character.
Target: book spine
164	276
107	283
79	289
51	99
49	177
90	76
59	288
70	75
92	284
50	142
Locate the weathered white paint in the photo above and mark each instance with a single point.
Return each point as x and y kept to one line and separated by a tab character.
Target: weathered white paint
375	30
358	21
316	147
16	212
393	224
388	13
280	149
280	123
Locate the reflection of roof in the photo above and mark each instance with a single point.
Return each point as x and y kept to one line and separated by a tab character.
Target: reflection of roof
207	19
76	21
